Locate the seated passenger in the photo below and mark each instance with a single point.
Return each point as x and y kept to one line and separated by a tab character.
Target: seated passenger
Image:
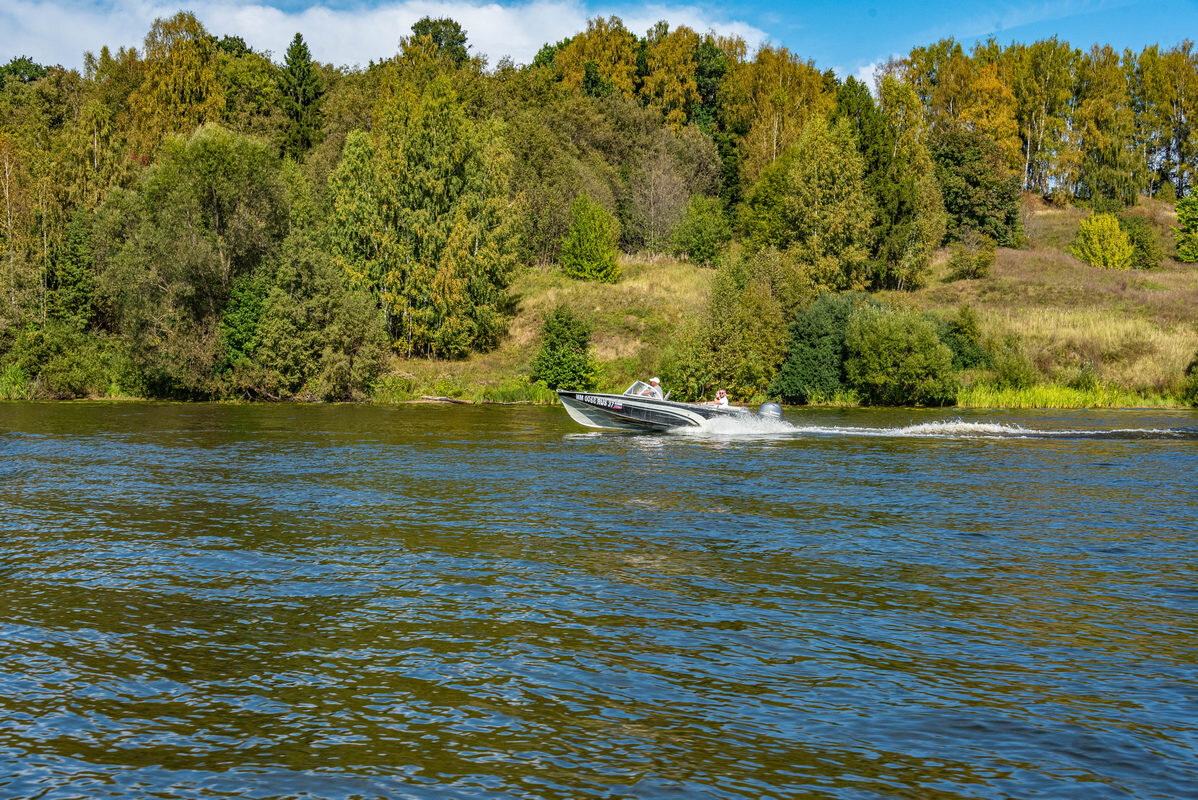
721	399
654	389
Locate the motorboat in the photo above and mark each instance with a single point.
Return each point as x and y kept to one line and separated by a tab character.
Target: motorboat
638	410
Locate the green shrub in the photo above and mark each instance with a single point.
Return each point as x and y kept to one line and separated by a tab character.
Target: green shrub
1102	243
1167	192
895	358
239	321
972	257
703	231
564	360
60	360
395	387
1147	252
1102	204
448	386
517	390
1187	234
1012	368
77	373
589	247
1189	388
15	384
1086	379
814	367
963	336
686	364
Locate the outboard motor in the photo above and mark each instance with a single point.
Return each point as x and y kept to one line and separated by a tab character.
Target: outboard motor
770	411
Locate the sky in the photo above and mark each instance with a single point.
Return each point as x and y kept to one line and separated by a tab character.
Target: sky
848	37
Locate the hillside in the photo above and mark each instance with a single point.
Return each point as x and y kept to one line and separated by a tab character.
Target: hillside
632	321
1137	331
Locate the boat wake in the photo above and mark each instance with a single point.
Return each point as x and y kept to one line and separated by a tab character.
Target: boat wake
946	429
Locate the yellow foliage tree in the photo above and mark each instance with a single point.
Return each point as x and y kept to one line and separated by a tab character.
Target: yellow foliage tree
670	72
181	89
900	105
989	110
941	75
771	98
607	44
1097	155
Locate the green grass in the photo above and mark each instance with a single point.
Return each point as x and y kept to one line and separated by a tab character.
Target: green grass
842	398
15	384
983	395
516	390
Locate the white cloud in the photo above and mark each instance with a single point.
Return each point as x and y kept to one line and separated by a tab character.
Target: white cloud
59	31
865	74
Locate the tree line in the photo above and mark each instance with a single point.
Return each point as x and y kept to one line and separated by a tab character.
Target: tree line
194	219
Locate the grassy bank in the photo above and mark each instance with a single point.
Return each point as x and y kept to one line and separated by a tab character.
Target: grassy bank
1096	338
1057	396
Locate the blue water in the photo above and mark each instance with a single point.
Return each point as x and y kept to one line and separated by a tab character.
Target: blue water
427	602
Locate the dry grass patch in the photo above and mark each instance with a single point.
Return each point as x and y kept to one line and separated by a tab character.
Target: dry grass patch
1129	351
1052	228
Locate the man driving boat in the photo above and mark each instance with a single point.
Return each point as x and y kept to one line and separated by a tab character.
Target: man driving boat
654	389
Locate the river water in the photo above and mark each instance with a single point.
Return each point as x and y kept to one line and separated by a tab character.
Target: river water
449	602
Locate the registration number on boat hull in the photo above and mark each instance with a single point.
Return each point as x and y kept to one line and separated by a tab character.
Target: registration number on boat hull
602	402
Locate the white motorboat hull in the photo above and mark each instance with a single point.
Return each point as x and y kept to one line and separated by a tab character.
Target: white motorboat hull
638	413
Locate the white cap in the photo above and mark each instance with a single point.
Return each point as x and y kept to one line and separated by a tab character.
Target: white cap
655	380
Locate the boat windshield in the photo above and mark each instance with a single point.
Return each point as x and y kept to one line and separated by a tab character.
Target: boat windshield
640	387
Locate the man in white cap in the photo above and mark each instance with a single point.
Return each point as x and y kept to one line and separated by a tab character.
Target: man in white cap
655	388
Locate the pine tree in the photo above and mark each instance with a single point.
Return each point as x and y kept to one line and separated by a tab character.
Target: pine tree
447	229
1187	234
564	360
589	249
356	232
302	91
71	283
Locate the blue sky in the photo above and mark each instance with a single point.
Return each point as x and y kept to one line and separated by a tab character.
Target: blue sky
876	30
846	36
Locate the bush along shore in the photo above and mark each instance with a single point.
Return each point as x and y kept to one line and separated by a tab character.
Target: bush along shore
191	220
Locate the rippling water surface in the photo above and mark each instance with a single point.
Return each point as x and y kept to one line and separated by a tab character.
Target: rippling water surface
428	602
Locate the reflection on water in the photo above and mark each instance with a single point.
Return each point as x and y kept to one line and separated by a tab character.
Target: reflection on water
337	602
